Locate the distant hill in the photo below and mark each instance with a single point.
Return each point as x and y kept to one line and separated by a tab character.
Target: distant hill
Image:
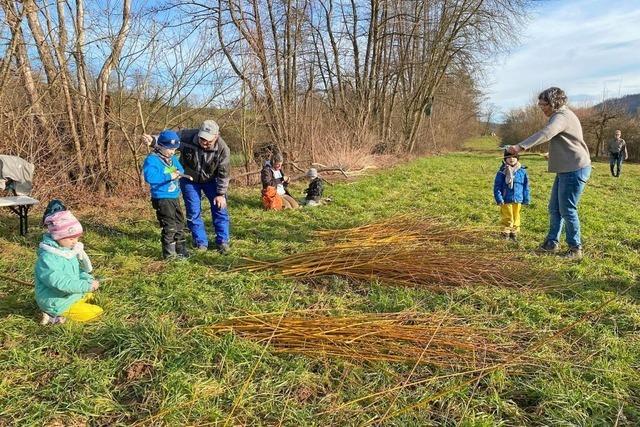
630	104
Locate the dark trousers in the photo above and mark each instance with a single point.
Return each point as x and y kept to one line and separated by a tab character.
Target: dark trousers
171	219
615	159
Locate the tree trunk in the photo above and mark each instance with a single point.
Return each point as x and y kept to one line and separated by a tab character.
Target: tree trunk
14	20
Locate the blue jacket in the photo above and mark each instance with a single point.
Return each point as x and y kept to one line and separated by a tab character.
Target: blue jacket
157	173
520	191
60	281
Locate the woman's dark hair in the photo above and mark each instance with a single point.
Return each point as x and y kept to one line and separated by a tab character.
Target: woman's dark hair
276	158
553	96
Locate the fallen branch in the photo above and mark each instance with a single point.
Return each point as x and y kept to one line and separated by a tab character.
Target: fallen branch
242	175
18	281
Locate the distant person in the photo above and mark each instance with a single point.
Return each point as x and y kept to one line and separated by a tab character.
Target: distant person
206	159
162	171
64	284
511	191
313	193
275	195
569	160
617	153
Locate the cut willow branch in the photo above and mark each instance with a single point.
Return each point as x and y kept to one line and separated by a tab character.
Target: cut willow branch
404	251
437	339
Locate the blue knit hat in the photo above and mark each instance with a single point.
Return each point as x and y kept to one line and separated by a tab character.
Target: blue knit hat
168	139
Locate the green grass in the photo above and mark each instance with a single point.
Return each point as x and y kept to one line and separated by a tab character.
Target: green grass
148	359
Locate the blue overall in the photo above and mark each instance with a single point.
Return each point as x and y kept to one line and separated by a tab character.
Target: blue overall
192	194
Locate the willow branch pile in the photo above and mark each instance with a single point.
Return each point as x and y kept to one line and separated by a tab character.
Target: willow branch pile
436	339
404	251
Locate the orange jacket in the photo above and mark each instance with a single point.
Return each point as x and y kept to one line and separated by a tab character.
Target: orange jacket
270	199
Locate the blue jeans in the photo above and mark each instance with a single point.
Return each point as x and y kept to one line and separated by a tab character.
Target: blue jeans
192	194
615	159
563	205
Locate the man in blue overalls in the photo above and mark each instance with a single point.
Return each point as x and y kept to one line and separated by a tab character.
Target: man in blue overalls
206	160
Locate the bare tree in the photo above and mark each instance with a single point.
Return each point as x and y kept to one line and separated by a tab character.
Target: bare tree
14	17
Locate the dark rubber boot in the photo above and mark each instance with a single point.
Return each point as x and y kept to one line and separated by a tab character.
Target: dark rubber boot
181	249
169	251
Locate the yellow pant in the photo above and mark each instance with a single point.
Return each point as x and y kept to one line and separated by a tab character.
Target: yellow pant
510	217
81	311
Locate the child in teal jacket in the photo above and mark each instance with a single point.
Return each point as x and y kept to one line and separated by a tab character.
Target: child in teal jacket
64	283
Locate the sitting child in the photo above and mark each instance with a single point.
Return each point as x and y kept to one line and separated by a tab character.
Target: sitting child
63	273
313	193
511	191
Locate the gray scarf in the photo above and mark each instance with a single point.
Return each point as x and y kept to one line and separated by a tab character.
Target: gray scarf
76	251
510	172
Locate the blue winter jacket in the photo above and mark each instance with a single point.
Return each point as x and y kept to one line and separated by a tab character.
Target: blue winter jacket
157	172
520	191
60	281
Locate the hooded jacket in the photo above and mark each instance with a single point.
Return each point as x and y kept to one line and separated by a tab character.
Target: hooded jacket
268	178
60	281
520	192
314	191
157	172
205	165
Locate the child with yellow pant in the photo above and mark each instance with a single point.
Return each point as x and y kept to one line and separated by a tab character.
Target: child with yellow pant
511	191
64	283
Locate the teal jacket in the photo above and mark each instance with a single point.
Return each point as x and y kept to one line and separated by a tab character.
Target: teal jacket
60	281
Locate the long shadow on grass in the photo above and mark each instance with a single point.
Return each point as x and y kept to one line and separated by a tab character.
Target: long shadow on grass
611	284
569	289
108	231
248	201
20	304
10	230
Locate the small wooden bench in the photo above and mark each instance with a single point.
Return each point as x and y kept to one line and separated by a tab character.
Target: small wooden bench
19	205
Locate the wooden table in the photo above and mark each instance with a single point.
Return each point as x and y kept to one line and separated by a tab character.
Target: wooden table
19	205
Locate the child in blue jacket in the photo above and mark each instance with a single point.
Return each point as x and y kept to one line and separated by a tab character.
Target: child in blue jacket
161	170
511	191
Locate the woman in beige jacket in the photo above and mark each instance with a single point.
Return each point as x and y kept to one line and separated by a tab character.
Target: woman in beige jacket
569	159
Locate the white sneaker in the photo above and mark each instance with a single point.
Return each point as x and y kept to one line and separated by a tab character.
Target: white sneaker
46	319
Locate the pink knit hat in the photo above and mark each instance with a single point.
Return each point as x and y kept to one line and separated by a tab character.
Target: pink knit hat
62	225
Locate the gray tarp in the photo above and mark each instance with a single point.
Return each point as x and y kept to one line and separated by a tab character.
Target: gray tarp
19	171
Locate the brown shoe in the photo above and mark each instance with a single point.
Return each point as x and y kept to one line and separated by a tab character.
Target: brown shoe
574	253
548	247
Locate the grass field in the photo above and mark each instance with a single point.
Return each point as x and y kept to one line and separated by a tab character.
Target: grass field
149	360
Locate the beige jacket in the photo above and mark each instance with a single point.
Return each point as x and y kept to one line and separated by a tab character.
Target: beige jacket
567	150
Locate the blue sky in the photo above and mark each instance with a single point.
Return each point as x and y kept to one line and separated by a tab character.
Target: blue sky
586	47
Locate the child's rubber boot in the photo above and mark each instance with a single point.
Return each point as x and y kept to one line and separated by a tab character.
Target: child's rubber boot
169	251
181	249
